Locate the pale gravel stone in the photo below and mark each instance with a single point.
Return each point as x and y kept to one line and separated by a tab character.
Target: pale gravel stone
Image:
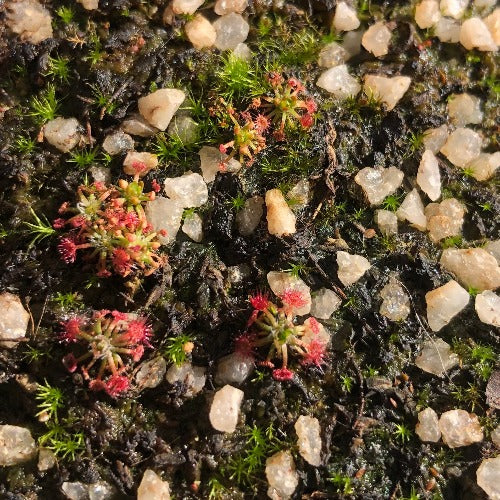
188	190
309	439
280	218
378	183
231	30
242	51
386	89
159	107
223	7
460	428
444	219
248	218
89	4
225	409
493	24
463	146
453	8
192	378
484	4
14	319
75	490
186	6
475	34
351	267
345	18
427	13
427	428
46	460
473	267
324	303
488	307
332	55
484	166
151	373
495	436
281	476
16	445
412	211
352	42
376	39
212	160
300	194
200	32
137	125
435	138
436	357
464	109
339	82
428	175
317	334
152	487
62	133
448	30
493	248
29	20
193	227
101	491
164	214
280	281
184	128
234	368
396	303
387	222
145	161
488	477
444	303
117	143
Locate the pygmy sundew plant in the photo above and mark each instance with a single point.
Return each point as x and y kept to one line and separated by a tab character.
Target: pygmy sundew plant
278	327
111	341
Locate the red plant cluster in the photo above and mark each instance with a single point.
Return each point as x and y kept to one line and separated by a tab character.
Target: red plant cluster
111	340
108	225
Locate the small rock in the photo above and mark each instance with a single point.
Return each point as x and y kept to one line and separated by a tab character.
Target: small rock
444	219
211	159
462	146
464	109
435	138
165	214
378	383
428	176
376	39
101	491
447	30
444	303
474	267
488	477
62	133
46	460
493	247
187	7
281	476
75	490
192	378
315	332
136	125
151	373
234	368
460	428
231	30
454	8
484	166
493	390
16	445
387	222
89	4
13	320
427	428
324	303
339	82
223	7
488	307
495	436
188	190
152	487
427	13
351	267
378	183
184	128
139	163
300	194
396	303
475	34
345	18
386	89
117	143
280	218
238	274
493	24
352	42
29	20
193	227
280	281
484	4
436	357
159	107
309	439
242	51
225	409
248	218
200	32
332	55
412	210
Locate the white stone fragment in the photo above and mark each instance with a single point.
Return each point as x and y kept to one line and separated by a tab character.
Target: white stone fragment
164	214
309	439
234	368
376	39
464	109
213	161
300	194
427	13
352	42
315	332
412	210
137	125
396	303
475	34
248	218
89	4
345	18
29	20
188	190
281	476
484	166
46	460
495	436
488	477
139	163
280	281
387	222
152	487
13	320
151	373
460	428
488	307
493	247
193	227
448	30
386	89
444	219
159	107
463	146
484	4
427	428
332	55
223	7
200	32
101	491
435	138
225	408
324	303
16	445
493	23
75	490
436	357
428	176
280	218
188	7
339	82
192	377
473	267
444	303
454	8
242	51
378	183
62	133
117	143
351	267
184	128
231	30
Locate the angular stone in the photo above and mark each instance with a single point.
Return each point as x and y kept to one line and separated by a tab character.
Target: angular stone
75	490
234	368
193	227
152	487
13	320
351	267
309	439
464	109
444	303
428	175
183	128
192	378
137	125
223	7
188	190
324	303
300	194
165	214
460	428
117	143
376	39
435	138
436	357
213	161
89	4
493	23
332	55
387	222
280	218
101	491
345	18
248	218
488	308
427	428
188	7
493	390
493	248
339	82
242	51
378	183
352	42
475	34
151	373
200	32
427	13
447	30
139	163
495	436
29	20
159	107
231	30
386	89
46	460
16	445
280	281
454	8
225	409
484	166
412	210
444	219
488	477
62	133
281	476
396	303
473	267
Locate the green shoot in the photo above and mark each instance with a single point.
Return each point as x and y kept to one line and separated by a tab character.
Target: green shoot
102	101
66	14
33	354
402	433
95	52
83	158
297	270
45	106
237	203
40	229
342	483
24	145
346	383
70	300
58	68
50	401
178	348
391	203
61	442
